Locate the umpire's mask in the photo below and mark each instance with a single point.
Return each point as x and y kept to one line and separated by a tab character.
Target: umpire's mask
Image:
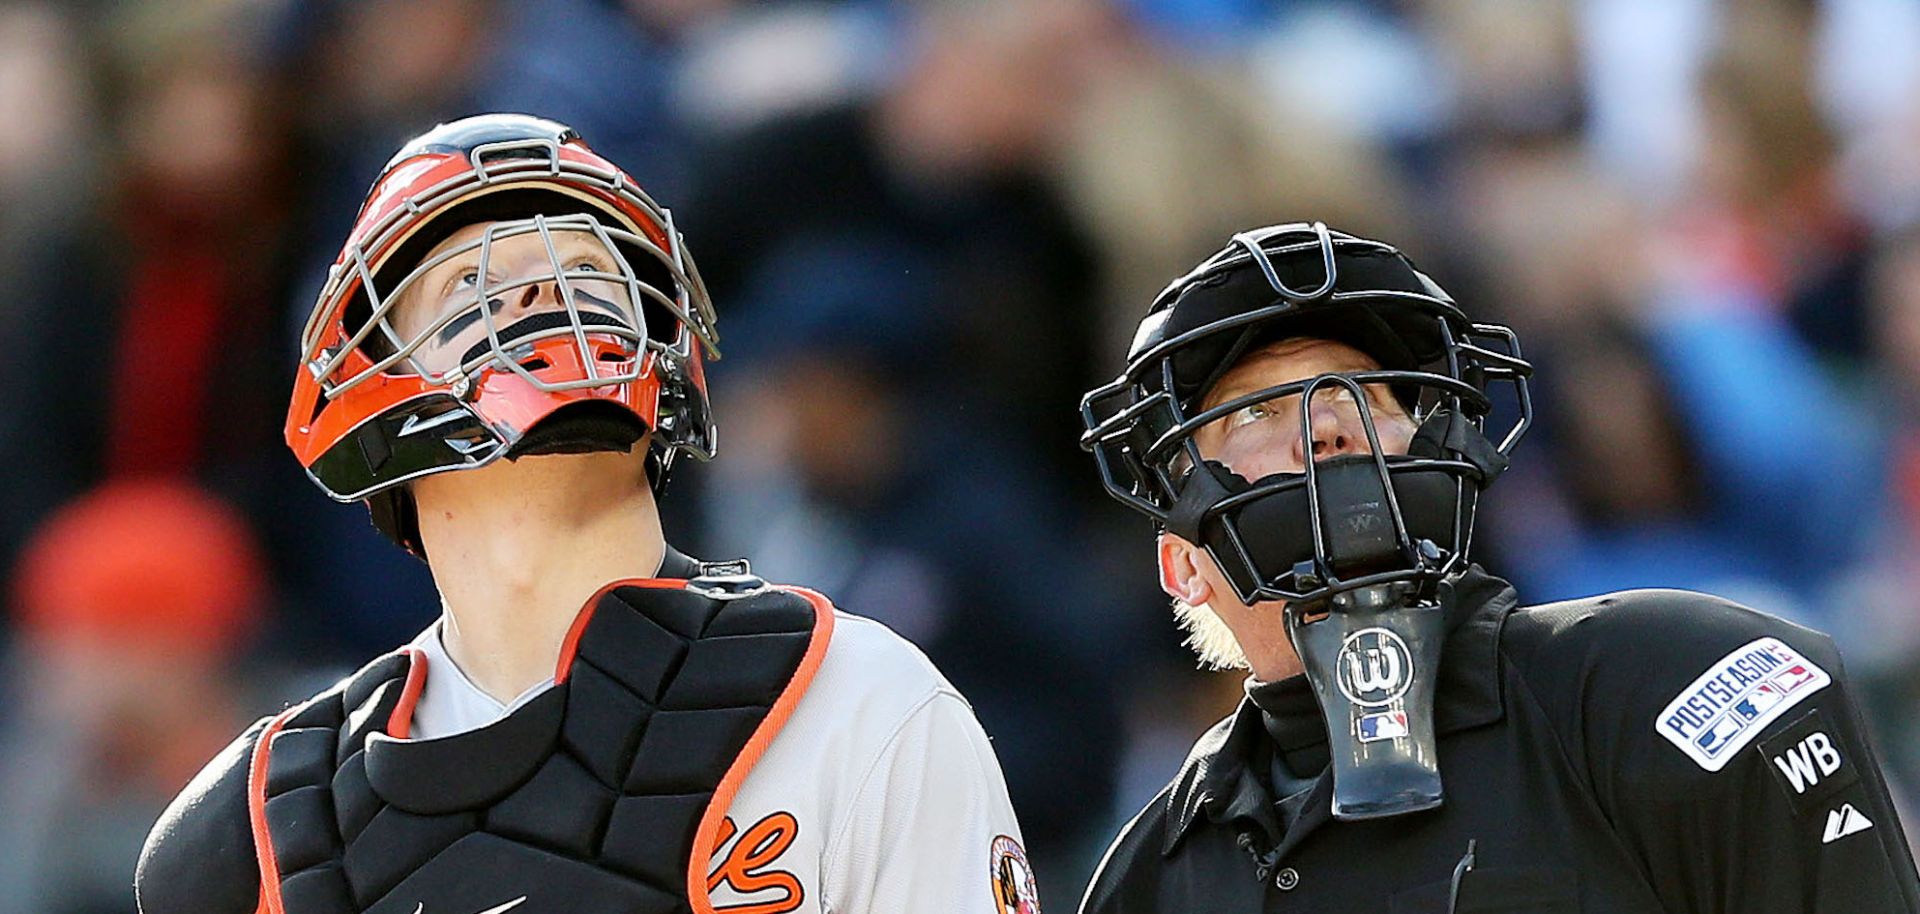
1355	545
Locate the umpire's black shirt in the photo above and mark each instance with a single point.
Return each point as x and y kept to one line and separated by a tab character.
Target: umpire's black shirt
1561	733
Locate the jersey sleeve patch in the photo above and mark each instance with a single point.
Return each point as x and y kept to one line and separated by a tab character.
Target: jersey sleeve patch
1014	891
1737	697
1808	763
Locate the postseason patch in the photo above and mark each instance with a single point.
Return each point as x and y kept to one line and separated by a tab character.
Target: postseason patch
1736	698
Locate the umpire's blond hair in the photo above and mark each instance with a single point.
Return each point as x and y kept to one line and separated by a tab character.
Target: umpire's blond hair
1209	637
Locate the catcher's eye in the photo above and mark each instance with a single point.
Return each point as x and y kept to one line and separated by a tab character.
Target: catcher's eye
467	280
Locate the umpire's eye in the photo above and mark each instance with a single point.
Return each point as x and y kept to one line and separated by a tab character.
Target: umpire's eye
1252	412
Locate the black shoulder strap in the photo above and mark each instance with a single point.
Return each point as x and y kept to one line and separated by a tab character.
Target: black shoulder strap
681	566
199	857
289	798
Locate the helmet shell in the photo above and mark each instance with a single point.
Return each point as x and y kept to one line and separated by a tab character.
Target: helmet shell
361	424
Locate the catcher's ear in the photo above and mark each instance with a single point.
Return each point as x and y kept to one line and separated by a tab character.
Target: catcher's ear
1180	573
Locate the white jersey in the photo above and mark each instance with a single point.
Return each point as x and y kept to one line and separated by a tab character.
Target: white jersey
881	793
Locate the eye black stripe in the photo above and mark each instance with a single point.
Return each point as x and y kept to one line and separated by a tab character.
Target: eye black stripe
465	320
545	320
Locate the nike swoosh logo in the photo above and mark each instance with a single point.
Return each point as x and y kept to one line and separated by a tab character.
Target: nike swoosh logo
497	909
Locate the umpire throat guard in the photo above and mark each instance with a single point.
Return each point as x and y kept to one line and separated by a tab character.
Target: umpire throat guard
1356	545
605	793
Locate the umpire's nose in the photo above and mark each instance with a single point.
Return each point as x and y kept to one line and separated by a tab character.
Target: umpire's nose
1334	428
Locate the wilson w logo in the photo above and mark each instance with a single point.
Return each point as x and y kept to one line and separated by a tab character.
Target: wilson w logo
1374	667
1375	670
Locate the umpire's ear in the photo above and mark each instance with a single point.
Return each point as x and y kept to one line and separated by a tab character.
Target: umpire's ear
1180	573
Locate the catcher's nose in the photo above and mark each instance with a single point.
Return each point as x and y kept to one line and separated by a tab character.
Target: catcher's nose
536	298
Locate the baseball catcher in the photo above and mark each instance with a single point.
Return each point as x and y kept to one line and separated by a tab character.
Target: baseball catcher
505	363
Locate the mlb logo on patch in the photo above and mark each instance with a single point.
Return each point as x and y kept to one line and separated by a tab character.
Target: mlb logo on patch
1723	730
1795	677
1390	725
1762	700
1735	698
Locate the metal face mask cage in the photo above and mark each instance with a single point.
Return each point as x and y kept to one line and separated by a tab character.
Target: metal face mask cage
370	413
621	318
1346	522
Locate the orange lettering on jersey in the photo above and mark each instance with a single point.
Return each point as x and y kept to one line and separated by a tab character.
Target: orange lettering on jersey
744	865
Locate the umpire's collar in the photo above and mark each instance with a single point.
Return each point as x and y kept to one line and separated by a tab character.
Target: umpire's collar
1218	779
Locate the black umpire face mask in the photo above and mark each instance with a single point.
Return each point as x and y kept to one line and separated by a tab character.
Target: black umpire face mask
1353	546
1369	653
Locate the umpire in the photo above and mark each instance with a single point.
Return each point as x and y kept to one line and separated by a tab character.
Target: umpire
1310	421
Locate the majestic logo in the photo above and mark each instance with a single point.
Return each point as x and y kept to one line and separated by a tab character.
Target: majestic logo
1843	822
1728	705
1374	667
1014	891
745	866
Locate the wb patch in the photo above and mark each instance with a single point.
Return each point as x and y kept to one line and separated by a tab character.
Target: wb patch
1738	696
1808	763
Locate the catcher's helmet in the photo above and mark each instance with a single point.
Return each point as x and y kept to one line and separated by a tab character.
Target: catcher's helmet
620	347
1345	522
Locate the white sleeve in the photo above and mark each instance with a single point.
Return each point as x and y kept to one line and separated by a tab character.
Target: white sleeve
931	828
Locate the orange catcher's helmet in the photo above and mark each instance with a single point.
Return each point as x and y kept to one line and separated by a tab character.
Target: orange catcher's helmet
499	275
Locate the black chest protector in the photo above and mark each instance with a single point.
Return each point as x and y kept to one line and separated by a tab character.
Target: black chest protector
603	794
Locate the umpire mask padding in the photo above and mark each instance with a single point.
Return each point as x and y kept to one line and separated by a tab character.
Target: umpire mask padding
1269	530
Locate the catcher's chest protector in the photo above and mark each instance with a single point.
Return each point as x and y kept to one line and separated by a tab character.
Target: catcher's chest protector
604	794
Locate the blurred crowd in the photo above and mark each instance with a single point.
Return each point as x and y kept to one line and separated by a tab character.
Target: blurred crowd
928	225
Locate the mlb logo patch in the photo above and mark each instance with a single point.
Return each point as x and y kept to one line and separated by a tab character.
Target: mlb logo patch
1723	730
1729	704
1388	725
1767	696
1796	676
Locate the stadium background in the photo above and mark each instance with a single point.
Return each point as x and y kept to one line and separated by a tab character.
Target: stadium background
928	226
